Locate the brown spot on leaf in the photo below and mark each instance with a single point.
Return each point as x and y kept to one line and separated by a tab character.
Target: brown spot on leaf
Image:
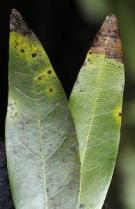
40	78
49	72
34	55
22	50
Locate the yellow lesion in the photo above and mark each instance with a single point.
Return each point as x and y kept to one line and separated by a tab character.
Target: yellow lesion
40	78
44	75
117	113
25	47
31	51
93	58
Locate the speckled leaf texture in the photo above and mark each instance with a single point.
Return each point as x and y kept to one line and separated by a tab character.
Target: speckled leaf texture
96	105
41	144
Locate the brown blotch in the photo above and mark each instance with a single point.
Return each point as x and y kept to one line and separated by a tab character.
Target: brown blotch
108	41
17	23
34	55
49	72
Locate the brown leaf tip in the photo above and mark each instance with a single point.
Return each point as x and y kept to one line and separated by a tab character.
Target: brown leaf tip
107	40
17	23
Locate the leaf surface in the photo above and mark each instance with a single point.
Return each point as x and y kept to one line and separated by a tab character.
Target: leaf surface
41	144
96	106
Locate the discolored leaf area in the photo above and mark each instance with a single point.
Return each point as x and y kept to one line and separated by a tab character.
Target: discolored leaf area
41	145
96	106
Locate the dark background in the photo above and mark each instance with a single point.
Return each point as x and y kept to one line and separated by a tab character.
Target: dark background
66	34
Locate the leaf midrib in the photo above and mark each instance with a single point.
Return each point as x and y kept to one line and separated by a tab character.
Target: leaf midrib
93	116
41	142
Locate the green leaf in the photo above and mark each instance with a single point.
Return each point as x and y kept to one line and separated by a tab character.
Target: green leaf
41	144
96	105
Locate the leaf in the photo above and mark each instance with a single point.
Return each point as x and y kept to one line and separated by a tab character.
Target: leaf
42	150
96	105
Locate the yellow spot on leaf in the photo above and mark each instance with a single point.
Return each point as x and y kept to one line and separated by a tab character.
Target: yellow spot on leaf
118	114
40	78
25	47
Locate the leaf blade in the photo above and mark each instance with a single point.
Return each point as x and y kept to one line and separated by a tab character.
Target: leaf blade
96	106
42	156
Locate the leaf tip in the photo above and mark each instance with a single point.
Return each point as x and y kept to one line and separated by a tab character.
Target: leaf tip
107	40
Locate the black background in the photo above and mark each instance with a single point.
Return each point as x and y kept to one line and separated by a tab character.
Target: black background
66	37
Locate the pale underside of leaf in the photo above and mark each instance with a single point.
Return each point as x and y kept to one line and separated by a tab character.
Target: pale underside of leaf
96	106
42	150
